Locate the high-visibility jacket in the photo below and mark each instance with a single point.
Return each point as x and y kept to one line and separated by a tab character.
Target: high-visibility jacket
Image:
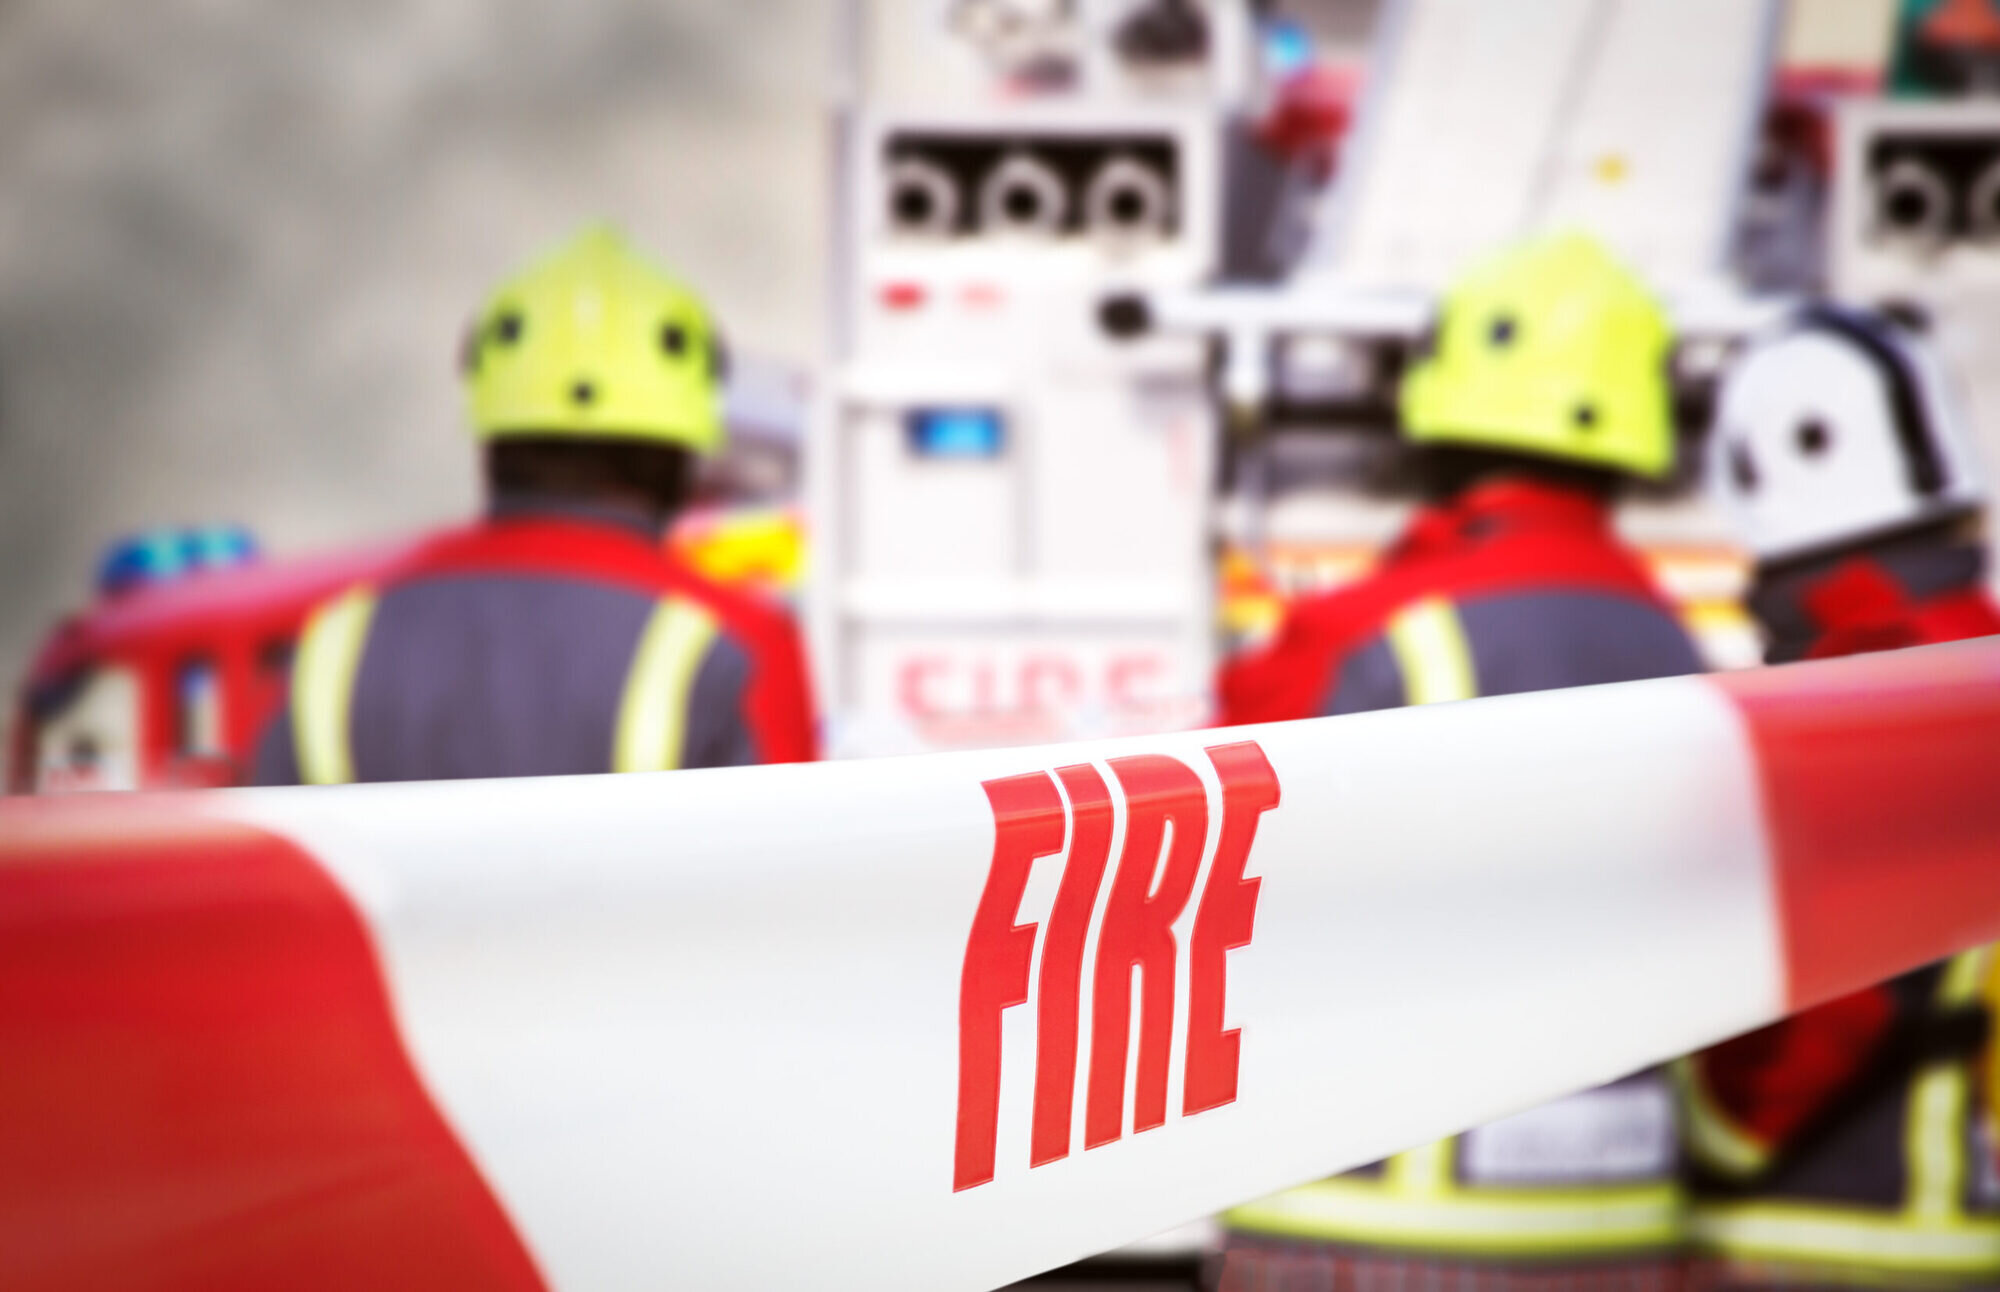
538	643
1852	1143
1908	592
1514	586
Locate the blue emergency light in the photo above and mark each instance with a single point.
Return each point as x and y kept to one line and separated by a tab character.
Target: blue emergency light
1287	47
161	555
216	547
140	559
956	432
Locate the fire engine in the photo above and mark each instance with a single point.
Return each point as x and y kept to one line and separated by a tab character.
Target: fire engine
167	680
1120	298
1012	512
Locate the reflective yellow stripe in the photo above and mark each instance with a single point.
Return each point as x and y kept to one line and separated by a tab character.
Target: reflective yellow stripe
1422	1172
1430	648
1710	1136
1518	1221
1939	1109
1991	1064
1935	1140
323	671
1932	1232
1963	974
1836	1235
652	715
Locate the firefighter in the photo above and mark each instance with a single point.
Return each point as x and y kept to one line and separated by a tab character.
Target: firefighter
555	635
1547	391
1851	1145
1850	474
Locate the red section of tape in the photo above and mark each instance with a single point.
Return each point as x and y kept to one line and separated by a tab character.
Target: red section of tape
203	1084
1881	784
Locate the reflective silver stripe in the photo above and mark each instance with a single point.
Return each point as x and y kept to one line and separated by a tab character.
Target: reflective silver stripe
653	713
1351	1210
1430	648
323	672
1823	1234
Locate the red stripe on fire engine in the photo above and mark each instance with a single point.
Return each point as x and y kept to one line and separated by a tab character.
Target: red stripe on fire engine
1881	789
204	1081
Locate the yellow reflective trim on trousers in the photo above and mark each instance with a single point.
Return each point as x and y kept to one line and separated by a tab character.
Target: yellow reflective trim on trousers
323	672
1709	1135
1934	1141
1964	974
1934	1137
1516	1221
1831	1235
1990	997
1931	1233
1422	1172
653	712
1430	648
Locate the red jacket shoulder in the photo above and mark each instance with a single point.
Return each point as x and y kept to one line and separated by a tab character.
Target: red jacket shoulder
779	704
1291	676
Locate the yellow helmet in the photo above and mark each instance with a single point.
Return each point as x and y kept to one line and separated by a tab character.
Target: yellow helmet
596	342
1553	349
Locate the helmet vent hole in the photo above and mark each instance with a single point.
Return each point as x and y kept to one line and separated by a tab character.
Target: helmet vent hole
507	328
1742	467
1501	333
1584	416
673	340
1814	437
582	393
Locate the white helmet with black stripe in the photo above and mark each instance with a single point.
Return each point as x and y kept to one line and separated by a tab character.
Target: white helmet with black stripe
1836	427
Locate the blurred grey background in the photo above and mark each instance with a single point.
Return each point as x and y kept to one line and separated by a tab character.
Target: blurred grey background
238	240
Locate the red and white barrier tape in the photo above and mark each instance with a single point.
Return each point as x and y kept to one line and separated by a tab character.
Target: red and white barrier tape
876	1023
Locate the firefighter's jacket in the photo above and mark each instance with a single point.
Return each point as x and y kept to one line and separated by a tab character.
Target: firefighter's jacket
1889	595
1515	586
541	641
1852	1144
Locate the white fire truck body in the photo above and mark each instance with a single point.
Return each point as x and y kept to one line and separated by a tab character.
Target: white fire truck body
1013	510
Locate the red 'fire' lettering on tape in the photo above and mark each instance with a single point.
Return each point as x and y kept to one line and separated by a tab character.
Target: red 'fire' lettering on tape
1167	813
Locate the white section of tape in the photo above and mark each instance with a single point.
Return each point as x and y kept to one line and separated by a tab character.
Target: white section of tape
701	1028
